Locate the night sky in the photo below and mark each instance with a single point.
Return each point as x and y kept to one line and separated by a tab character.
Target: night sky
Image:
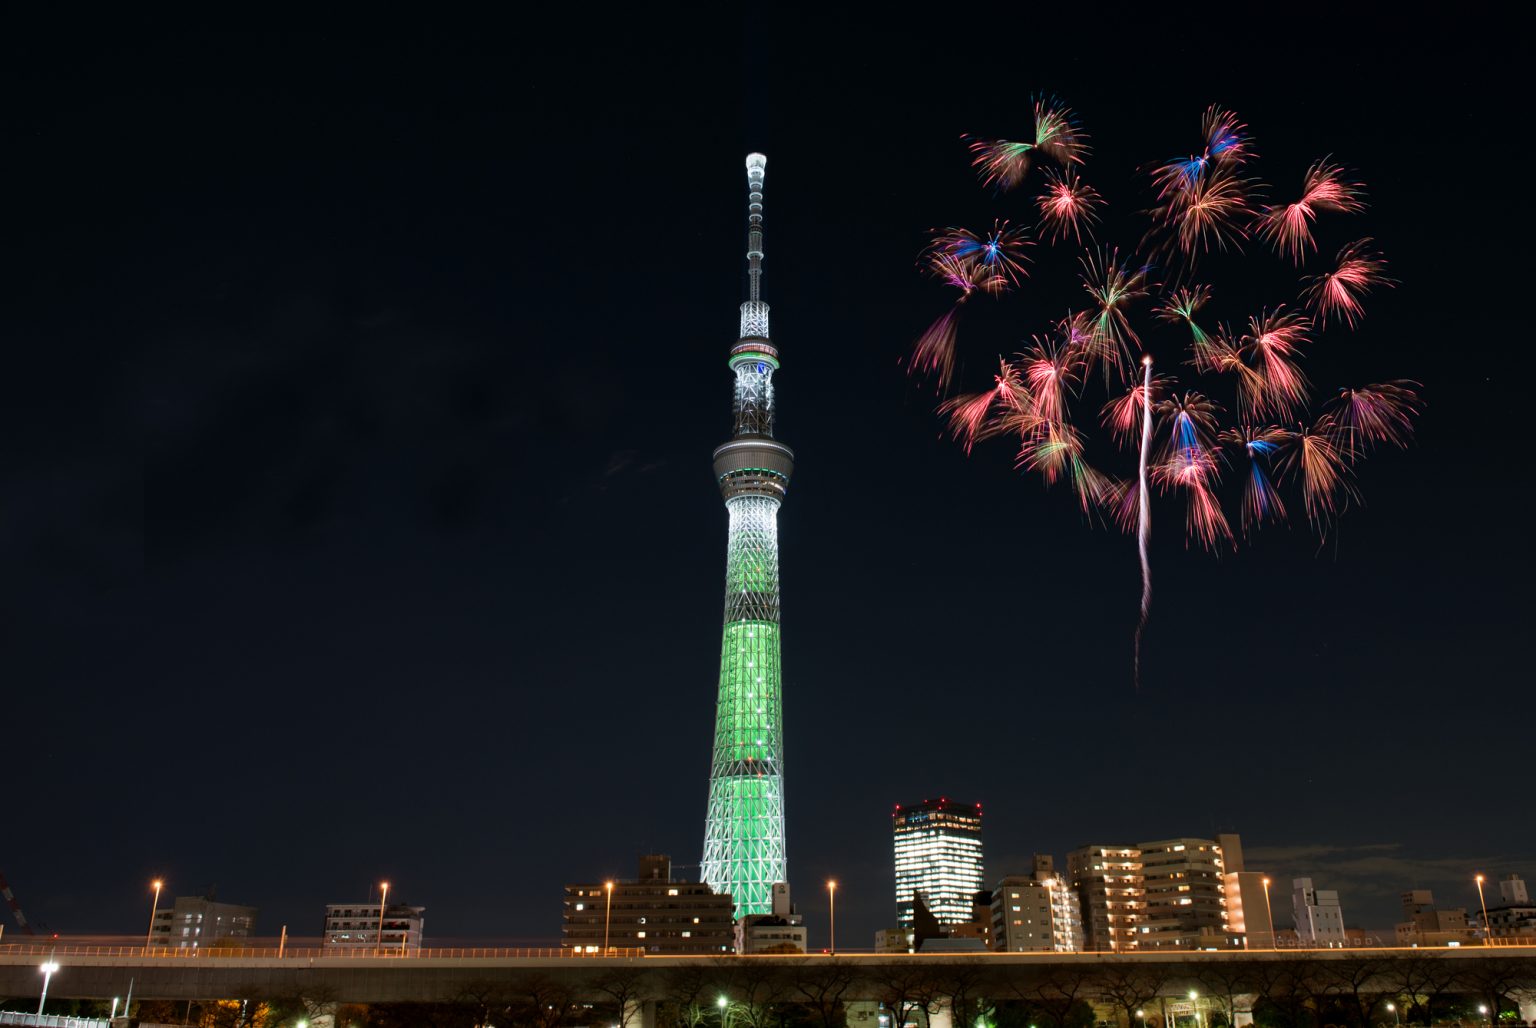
355	507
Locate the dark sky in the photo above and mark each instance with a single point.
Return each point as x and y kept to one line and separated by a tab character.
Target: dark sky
357	520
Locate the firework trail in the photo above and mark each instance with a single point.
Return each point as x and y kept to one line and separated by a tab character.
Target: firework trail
1144	513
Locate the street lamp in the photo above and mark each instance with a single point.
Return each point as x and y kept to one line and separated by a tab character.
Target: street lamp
1195	1006
378	941
832	914
1482	1008
1392	1009
722	1003
48	969
154	908
1269	915
607	914
1487	928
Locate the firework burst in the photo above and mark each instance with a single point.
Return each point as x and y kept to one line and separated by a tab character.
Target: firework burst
1288	227
1206	206
1067	205
1002	164
1338	294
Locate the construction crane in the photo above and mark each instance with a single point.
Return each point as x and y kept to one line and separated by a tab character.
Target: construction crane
10	899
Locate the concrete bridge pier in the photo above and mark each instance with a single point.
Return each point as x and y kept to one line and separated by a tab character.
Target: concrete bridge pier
640	1014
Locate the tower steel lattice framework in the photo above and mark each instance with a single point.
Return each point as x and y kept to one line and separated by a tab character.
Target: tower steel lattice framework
744	829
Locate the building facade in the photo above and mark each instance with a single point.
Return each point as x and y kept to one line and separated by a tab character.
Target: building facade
1318	917
1038	912
1512	918
1108	882
197	922
744	853
938	856
653	912
1186	896
1425	925
391	928
780	931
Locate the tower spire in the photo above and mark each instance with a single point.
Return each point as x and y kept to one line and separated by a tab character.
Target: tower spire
744	851
756	165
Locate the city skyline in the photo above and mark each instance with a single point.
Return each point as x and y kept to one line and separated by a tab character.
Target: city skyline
357	505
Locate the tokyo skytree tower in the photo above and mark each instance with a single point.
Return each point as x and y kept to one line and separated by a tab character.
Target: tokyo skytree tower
744	830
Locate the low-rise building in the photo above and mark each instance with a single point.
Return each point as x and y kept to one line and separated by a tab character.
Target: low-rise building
781	931
1424	925
1513	917
199	922
1318	916
385	927
654	912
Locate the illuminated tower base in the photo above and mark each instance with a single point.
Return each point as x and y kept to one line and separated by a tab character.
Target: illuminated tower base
744	830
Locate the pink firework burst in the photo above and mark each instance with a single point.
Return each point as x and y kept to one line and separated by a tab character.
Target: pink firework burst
1338	294
1273	343
1289	227
1067	204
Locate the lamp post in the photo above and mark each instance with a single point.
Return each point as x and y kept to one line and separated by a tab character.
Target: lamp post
1392	1009
724	1005
378	941
1487	928
1269	915
832	915
1194	1005
154	908
607	914
48	970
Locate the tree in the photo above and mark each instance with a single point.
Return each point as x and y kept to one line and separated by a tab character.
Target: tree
905	987
1422	976
539	1001
821	987
625	986
1497	979
1061	994
1129	987
1357	982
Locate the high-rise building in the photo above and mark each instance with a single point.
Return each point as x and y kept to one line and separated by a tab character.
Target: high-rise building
938	856
1186	897
1037	912
1108	880
653	912
744	853
1318	916
198	922
389	928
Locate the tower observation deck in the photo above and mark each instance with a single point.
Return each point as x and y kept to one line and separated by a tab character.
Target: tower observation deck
744	827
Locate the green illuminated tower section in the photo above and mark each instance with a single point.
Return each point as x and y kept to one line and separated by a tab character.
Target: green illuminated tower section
744	830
